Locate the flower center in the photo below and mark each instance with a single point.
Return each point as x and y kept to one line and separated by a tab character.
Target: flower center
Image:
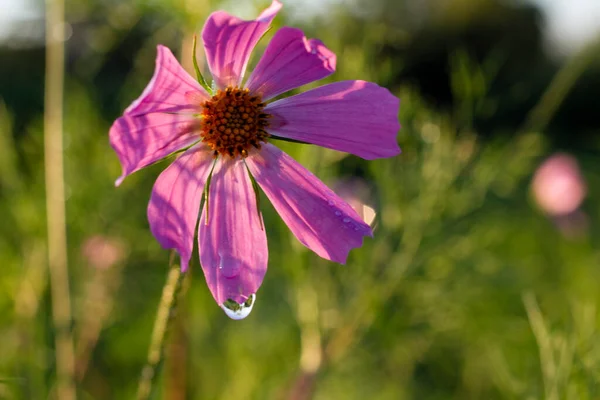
233	121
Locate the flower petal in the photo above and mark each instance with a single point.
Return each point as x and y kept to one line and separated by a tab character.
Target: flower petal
228	42
320	219
290	61
357	117
175	202
232	242
160	121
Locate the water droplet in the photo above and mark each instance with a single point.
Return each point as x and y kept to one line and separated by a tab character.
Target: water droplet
237	311
346	220
331	203
338	213
229	266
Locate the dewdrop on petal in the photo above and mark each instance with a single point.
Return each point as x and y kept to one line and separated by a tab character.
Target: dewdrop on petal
358	193
239	311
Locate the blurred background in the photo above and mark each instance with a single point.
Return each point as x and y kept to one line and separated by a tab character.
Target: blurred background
481	281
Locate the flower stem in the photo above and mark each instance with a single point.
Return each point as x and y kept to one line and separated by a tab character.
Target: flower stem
559	88
165	313
55	200
311	356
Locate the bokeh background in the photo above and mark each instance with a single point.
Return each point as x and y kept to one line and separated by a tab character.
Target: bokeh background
481	281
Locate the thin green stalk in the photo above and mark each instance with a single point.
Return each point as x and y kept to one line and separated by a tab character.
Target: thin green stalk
165	313
311	354
559	88
199	76
55	200
544	341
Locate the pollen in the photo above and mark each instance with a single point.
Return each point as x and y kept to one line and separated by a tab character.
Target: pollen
233	122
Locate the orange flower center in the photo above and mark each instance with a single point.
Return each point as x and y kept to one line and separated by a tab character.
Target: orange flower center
233	121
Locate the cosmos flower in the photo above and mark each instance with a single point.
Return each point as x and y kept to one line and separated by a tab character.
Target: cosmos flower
558	186
226	133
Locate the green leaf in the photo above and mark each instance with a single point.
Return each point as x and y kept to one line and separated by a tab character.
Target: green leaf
199	76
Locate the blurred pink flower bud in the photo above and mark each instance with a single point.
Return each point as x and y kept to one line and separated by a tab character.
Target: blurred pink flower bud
558	186
102	252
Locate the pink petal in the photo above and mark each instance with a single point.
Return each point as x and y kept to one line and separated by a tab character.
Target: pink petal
175	202
160	121
228	42
320	219
357	117
232	243
290	61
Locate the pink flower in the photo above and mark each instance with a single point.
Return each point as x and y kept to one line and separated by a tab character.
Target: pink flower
226	137
558	186
102	252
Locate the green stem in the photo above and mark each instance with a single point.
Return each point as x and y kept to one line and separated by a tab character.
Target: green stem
284	139
559	88
55	201
164	315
